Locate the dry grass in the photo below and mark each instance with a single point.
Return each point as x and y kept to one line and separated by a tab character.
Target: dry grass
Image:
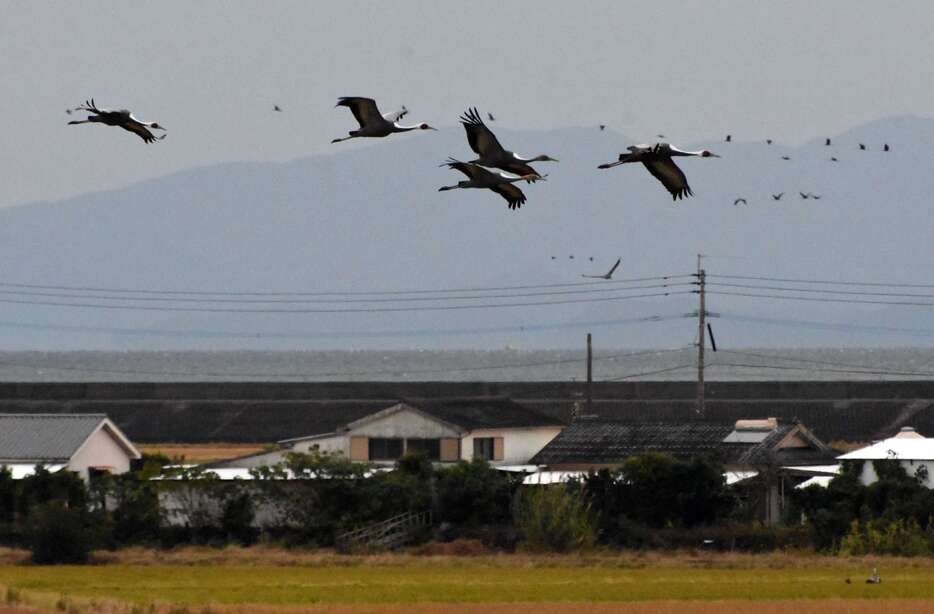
459	553
829	606
202	453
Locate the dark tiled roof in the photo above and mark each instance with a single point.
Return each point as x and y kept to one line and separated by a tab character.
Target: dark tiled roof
854	420
600	441
199	421
483	412
34	437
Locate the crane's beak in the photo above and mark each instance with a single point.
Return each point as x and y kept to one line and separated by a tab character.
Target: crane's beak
550	159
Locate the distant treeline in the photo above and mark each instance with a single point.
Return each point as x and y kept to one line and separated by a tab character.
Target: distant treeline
651	502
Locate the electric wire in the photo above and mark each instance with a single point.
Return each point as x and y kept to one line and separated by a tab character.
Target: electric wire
271	310
339	292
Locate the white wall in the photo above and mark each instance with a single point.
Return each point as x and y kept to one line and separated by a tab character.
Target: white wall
405	424
100	450
869	475
519	444
338	443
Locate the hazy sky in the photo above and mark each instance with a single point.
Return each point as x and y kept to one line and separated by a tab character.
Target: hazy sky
211	72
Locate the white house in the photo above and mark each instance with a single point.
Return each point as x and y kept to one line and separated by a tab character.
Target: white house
82	443
495	429
914	452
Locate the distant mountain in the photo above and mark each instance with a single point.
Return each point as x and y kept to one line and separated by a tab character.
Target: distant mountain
372	219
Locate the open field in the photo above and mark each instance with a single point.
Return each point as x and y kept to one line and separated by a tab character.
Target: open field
201	453
274	580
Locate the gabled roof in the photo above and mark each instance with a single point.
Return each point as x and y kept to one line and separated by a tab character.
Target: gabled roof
51	437
464	414
600	441
473	413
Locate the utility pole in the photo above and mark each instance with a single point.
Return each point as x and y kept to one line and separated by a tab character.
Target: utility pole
589	376
701	336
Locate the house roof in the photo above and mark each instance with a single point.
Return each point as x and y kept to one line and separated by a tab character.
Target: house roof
600	441
472	413
899	448
45	437
460	413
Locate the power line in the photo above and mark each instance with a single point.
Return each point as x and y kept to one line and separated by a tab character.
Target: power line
347	310
280	334
817	299
834	326
338	292
655	372
813	361
189	299
821	290
826	370
832	282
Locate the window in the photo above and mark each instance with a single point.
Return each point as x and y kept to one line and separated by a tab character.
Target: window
385	449
431	448
483	448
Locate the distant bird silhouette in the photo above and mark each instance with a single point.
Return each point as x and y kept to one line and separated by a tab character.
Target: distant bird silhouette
875	578
778	196
862	147
657	160
740	200
122	118
768	141
804	196
659	136
372	123
501	183
553	257
608	274
277	108
490	117
67	111
571	257
814	196
729	138
591	258
885	147
602	126
786	158
827	142
833	159
491	153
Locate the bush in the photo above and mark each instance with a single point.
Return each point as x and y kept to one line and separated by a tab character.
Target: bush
58	535
554	519
137	517
473	494
237	518
899	538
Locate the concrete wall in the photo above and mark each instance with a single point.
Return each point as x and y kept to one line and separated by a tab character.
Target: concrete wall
101	450
65	391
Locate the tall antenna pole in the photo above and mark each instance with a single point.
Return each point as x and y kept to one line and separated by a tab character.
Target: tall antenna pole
589	376
701	336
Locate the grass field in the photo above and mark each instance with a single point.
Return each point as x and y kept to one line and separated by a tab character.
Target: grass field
270	580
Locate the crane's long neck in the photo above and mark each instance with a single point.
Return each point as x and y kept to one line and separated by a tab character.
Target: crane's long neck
398	128
681	152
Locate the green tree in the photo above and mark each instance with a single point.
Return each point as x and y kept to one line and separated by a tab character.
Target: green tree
555	519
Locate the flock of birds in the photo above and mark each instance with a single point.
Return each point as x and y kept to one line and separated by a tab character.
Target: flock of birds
509	168
804	195
495	168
